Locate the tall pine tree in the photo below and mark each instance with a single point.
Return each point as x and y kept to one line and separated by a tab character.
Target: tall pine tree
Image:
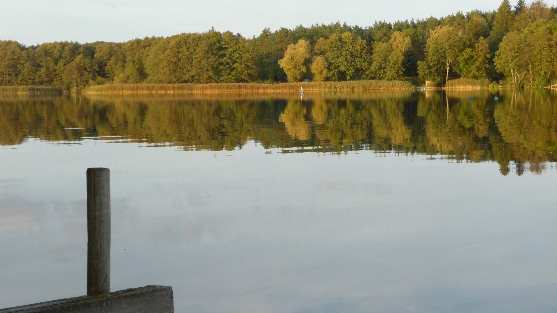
501	25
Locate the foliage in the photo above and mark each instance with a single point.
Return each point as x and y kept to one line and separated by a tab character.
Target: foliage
319	69
443	48
295	60
250	89
474	62
527	56
389	58
345	55
502	24
520	41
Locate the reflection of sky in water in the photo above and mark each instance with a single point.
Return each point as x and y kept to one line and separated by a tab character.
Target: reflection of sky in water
249	231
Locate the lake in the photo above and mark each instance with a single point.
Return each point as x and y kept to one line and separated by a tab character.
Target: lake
390	203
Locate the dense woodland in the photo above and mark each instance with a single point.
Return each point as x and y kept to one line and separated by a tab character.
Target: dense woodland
519	130
517	44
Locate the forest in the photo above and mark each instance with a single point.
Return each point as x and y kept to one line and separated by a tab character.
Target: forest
516	45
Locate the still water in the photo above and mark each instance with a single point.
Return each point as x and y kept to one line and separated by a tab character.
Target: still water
392	203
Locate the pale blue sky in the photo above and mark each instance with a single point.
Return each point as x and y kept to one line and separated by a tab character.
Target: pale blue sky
35	21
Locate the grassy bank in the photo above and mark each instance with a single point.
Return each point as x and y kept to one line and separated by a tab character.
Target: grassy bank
372	95
467	84
462	84
30	91
247	89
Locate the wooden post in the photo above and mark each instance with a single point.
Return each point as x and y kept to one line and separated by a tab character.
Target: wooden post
149	299
98	231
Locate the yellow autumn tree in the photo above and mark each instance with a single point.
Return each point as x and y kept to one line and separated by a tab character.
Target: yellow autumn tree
294	62
319	69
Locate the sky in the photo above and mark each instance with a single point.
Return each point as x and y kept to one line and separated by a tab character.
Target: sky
37	21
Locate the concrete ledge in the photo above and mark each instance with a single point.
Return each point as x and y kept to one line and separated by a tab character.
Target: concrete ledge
150	299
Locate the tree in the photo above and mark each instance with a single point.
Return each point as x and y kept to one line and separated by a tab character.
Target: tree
319	69
528	15
345	54
28	76
389	58
519	7
133	67
294	62
11	62
78	73
379	60
501	25
529	54
432	48
206	55
237	64
443	48
474	62
476	26
509	59
268	49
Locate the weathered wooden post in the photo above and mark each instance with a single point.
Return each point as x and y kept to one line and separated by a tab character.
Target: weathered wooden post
98	231
99	299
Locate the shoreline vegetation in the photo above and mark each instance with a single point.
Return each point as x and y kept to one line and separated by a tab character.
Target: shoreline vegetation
30	91
263	89
513	46
372	95
238	90
347	89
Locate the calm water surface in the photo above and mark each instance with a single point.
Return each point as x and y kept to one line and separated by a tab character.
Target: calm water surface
392	203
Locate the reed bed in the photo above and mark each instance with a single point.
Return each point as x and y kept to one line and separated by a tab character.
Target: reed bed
32	91
309	88
372	95
467	84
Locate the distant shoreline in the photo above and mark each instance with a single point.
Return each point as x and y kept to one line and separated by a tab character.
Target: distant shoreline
346	88
31	91
260	89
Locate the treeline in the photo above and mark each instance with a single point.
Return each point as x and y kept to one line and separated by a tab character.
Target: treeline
516	44
516	130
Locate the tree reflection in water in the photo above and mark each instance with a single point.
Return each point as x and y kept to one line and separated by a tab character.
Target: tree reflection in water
518	131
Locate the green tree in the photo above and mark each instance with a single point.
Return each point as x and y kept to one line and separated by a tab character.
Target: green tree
528	55
432	48
11	62
206	57
389	58
237	64
510	60
379	60
346	55
519	7
475	27
443	48
268	49
474	62
294	62
78	73
501	25
319	69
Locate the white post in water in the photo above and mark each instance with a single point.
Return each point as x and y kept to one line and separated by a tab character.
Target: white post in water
98	231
